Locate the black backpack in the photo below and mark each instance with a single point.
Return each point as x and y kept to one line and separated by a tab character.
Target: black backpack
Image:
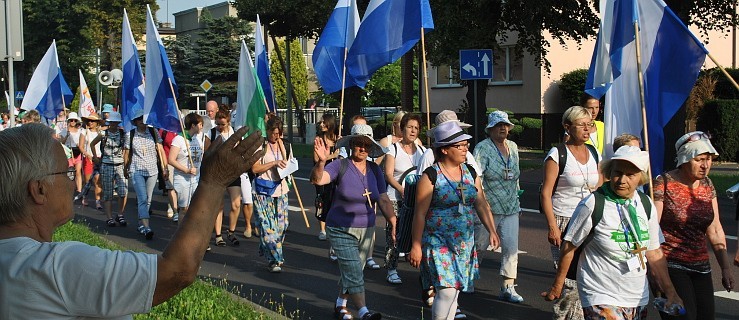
600	199
562	152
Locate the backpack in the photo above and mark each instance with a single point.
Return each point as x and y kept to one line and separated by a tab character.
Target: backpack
600	199
411	169
431	172
104	141
154	135
562	152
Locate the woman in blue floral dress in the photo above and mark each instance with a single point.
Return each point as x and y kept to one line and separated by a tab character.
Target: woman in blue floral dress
443	237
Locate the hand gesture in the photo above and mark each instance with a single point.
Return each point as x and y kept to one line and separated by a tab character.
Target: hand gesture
226	161
320	149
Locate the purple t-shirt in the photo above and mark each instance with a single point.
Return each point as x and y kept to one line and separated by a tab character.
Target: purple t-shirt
350	207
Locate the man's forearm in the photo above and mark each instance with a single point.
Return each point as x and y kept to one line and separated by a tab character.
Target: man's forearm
317	172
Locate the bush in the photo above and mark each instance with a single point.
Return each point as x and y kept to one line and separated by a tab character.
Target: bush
724	88
721	118
531	123
571	86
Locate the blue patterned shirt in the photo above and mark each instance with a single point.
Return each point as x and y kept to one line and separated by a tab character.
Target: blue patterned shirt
501	193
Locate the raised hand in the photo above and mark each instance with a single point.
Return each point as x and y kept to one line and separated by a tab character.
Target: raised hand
320	149
226	161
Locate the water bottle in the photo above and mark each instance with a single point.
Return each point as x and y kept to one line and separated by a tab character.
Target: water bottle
673	310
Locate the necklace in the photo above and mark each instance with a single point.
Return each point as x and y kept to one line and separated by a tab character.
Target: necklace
586	188
362	177
507	170
459	190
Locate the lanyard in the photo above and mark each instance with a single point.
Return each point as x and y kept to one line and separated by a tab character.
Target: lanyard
626	226
461	179
506	164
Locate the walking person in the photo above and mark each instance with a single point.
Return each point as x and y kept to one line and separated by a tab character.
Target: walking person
223	130
498	160
616	231
186	160
443	235
270	196
401	159
112	158
688	212
91	169
70	137
327	130
145	161
350	224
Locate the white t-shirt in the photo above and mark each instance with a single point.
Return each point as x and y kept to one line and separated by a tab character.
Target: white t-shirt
603	276
428	159
72	280
197	144
572	186
89	136
73	138
403	162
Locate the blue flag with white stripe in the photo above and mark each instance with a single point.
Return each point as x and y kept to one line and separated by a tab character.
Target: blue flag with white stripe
330	51
388	30
671	58
47	92
160	107
132	86
261	64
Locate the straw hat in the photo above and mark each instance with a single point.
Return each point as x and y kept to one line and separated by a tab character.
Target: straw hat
362	130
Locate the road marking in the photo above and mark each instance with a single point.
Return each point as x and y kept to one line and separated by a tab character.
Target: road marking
499	250
301	178
728	295
296	209
730	237
530	210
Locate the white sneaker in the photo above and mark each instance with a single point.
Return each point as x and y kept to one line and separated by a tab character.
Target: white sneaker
170	213
176	217
322	236
508	293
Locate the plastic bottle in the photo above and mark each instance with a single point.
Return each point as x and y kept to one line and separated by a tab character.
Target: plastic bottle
673	310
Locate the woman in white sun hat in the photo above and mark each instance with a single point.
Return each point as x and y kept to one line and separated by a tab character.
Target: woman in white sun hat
70	137
689	217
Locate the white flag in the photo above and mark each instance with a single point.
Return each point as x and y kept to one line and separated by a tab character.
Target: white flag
87	108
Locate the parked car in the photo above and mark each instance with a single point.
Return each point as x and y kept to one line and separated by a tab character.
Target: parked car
375	114
733	194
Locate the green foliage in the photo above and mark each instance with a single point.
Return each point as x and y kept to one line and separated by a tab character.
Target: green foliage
531	123
298	75
181	56
217	55
721	119
722	181
383	89
724	88
288	18
571	86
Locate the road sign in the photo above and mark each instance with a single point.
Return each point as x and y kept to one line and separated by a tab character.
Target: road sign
197	94
475	64
19	95
206	85
11	16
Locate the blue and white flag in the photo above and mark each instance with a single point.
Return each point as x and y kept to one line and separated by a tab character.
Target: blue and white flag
671	57
261	63
388	30
132	86
48	92
330	51
160	105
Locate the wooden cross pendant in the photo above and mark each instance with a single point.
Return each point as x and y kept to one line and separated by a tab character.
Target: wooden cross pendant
461	189
639	251
367	194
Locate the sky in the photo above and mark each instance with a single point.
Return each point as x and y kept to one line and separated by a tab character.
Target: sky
180	5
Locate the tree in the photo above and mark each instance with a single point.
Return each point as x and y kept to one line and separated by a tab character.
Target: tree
181	55
298	73
572	86
383	89
217	54
291	19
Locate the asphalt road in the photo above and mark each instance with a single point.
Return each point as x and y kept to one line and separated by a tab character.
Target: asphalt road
307	287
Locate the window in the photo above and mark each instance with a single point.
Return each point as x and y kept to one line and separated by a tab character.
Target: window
445	77
507	67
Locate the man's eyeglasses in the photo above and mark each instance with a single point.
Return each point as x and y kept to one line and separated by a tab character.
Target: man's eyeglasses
695	137
221	124
71	173
461	146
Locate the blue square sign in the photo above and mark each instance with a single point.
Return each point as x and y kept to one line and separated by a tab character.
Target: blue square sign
476	64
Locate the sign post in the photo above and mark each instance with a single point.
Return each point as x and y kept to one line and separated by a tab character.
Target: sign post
475	65
197	96
11	45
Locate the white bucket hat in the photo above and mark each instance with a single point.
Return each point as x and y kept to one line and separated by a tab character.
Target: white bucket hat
363	130
632	154
447	116
449	133
497	117
693	144
73	116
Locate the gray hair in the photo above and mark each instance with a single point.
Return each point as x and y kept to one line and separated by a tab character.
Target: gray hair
26	156
573	113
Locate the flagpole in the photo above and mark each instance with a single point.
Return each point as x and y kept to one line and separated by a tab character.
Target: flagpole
724	71
643	102
343	87
426	88
297	193
179	119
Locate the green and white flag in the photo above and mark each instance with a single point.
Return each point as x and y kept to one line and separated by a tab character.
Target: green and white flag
251	104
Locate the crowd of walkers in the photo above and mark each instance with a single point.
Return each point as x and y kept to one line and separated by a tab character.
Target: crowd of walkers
612	245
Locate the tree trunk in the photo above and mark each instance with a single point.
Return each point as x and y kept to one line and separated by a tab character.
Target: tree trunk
477	120
406	82
352	104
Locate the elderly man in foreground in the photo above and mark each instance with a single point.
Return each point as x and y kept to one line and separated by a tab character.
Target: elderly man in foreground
42	279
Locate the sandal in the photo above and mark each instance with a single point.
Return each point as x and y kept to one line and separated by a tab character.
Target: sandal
220	242
98	205
427	296
342	313
232	238
121	221
372	264
110	222
459	315
393	277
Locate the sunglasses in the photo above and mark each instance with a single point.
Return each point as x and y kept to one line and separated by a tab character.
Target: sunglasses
695	137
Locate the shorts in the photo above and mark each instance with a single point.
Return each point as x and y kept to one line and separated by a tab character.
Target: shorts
87	166
112	176
185	186
73	161
246	188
